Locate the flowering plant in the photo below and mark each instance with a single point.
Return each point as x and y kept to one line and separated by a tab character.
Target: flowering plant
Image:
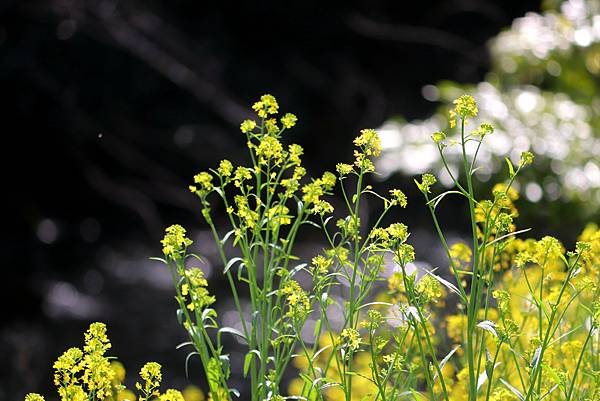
89	375
501	342
507	319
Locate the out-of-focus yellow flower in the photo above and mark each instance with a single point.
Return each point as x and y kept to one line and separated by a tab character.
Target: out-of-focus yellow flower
193	393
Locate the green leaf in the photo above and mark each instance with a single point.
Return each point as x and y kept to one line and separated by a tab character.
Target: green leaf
233	331
226	236
248	360
187	360
418	397
513	389
511	169
231	263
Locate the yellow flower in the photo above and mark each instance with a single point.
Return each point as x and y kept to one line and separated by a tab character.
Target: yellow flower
328	180
429	289
297	299
247	126
398	198
152	376
427	180
277	216
96	340
205	180
322	207
66	366
465	106
193	393
369	142
197	289
483	130
344	169
119	370
225	168
73	393
97	375
321	264
461	253
312	192
438	137
269	149
526	159
267	105
34	397
503	300
171	395
295	151
397	231
405	254
289	120
175	241
350	338
241	174
271	126
456	326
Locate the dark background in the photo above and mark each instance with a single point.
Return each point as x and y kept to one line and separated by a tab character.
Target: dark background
110	107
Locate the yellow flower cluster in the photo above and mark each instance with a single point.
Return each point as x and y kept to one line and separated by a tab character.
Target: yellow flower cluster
429	289
438	137
204	179
350	339
247	126
289	120
295	151
464	107
88	374
349	227
344	169
369	142
248	217
269	149
390	237
277	216
151	374
461	254
241	174
292	184
171	395
196	288
297	299
427	180
322	207
398	198
313	191
175	242
483	130
225	168
526	159
321	264
265	106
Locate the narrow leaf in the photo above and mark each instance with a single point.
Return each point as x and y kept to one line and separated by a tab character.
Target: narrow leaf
231	263
488	325
514	390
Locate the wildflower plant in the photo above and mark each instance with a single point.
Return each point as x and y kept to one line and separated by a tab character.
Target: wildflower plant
490	327
88	374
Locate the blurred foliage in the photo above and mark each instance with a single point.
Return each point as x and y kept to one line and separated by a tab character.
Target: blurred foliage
541	95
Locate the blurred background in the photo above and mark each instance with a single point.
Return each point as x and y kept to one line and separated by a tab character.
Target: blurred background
110	107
